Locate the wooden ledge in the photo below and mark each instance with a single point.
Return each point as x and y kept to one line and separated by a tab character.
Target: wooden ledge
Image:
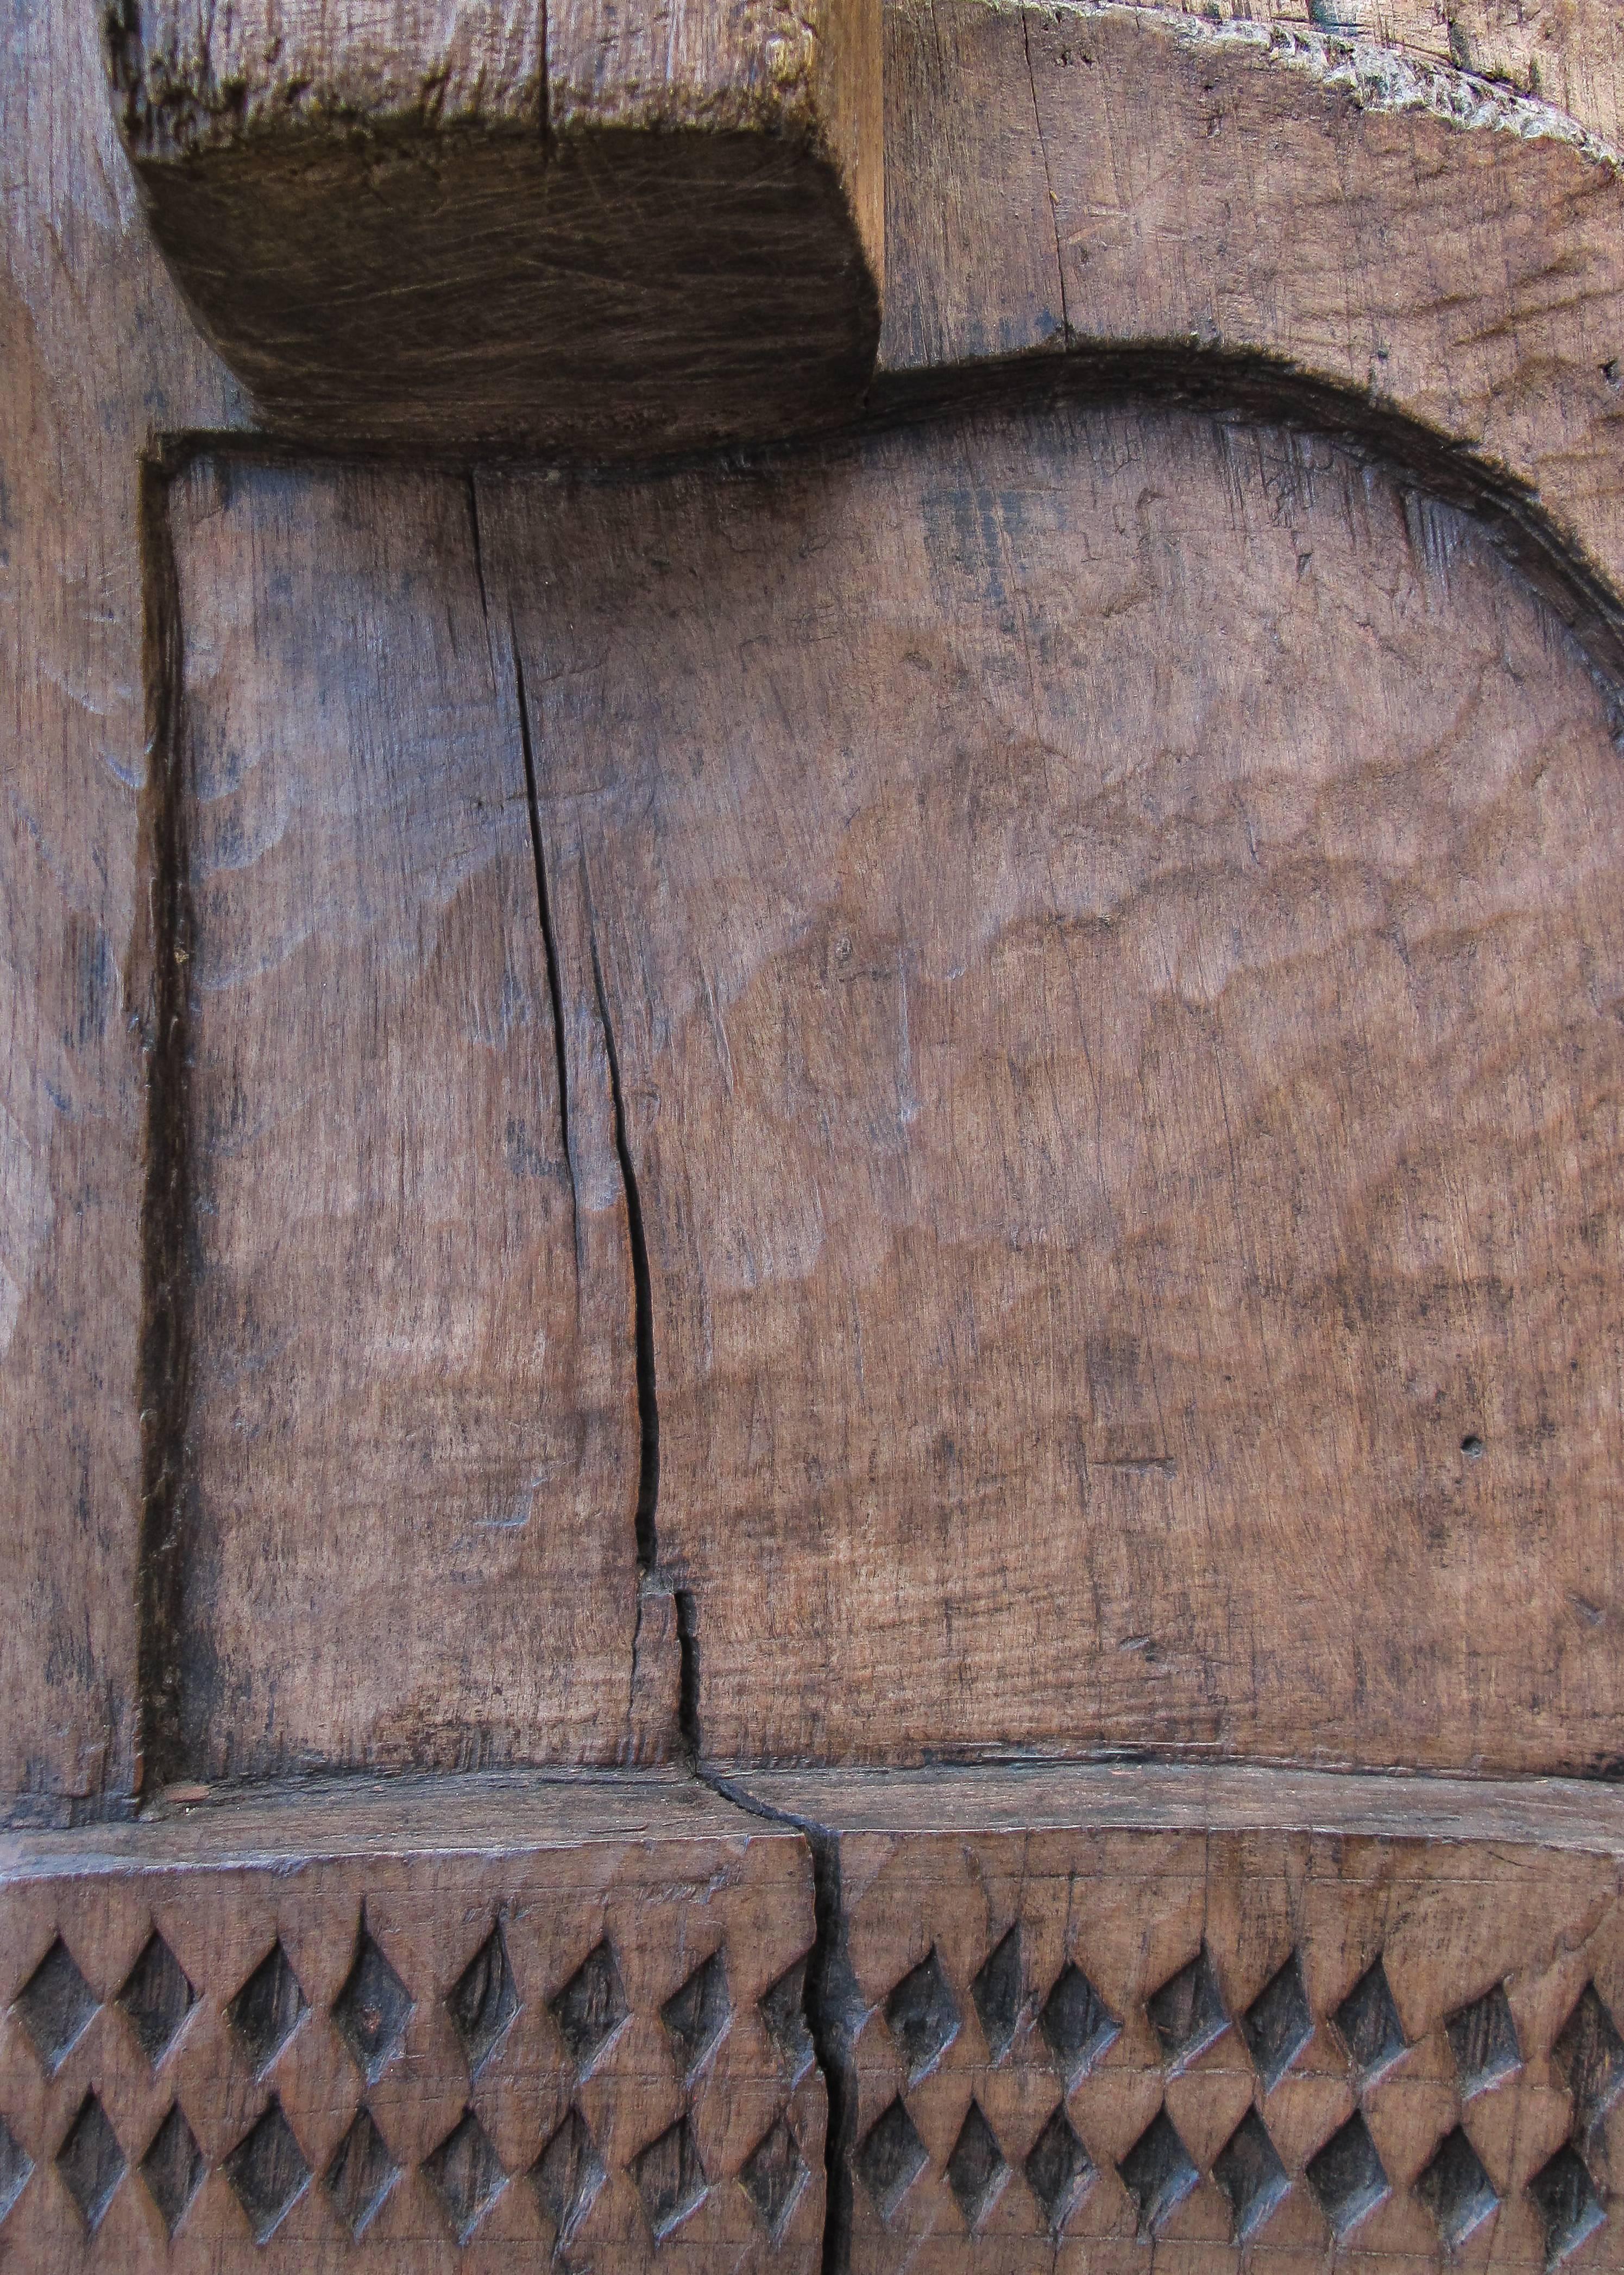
642	228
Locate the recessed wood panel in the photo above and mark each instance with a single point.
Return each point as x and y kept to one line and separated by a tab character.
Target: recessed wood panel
408	1438
1111	922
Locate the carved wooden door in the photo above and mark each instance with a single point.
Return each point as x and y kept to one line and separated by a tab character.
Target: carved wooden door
814	990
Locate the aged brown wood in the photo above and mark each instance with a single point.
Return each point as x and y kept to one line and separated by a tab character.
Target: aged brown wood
433	2025
1076	2011
1109	924
633	226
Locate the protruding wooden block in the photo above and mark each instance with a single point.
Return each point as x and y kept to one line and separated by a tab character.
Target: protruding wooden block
445	226
468	2024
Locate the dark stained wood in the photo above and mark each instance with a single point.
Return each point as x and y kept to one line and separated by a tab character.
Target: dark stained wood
549	1976
1073	2011
1110	928
635	228
407	1500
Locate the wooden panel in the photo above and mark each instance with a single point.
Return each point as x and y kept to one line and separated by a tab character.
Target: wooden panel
97	354
399	2020
1111	928
1073	2013
406	1526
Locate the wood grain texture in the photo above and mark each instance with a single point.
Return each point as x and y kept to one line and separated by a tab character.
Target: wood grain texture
1238	201
1108	926
406	1524
1118	2019
626	228
98	358
550	1978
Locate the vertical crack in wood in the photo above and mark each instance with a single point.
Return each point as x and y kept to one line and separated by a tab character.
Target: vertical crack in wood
164	1350
834	2010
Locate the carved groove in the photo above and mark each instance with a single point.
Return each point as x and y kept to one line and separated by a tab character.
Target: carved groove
1565	2196
1188	2012
484	2001
698	2014
373	2009
1483	2038
157	1998
174	2167
1059	2170
1278	2024
15	2165
891	2157
976	2170
1348	2177
1367	2021
568	2175
91	2162
1455	2188
772	2176
56	2006
466	2175
997	1996
923	2016
267	2172
1251	2175
1158	2172
268	2009
591	2008
670	2178
1076	2023
361	2174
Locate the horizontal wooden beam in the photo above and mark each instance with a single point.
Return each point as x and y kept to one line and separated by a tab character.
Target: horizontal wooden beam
634	228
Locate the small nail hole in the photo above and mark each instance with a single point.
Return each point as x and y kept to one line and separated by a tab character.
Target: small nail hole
1472	1447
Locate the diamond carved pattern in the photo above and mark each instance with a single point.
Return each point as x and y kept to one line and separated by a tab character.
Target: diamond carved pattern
174	2168
773	2177
361	2174
1076	2024
591	2008
1250	2174
1059	2171
698	2014
91	2162
977	2172
1482	2039
1565	2197
996	1994
466	2175
783	2010
1278	2024
1348	2177
670	2178
1588	2057
157	1998
56	2006
268	2009
569	2175
267	2172
923	2016
484	2001
1367	2021
1158	2172
373	2009
1455	2188
890	2158
1188	2012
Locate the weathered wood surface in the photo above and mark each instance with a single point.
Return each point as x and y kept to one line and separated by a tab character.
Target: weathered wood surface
97	357
448	2025
1247	2018
1111	931
632	227
403	1525
1212	198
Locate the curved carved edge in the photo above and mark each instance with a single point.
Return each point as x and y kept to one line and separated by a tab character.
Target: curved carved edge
470	223
1252	212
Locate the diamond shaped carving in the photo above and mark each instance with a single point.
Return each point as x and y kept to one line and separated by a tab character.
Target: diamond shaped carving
591	2007
996	1992
1188	2012
267	2172
466	2175
670	2178
1348	2177
783	2010
772	2176
158	1999
56	2006
568	2175
1565	2197
173	2167
1455	2188
91	2162
977	2170
361	2174
372	2011
1158	2172
923	2016
1483	2038
698	2014
1250	2171
1076	2024
1278	2024
268	2009
1588	2055
890	2158
1367	2021
484	2000
1059	2170
15	2165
